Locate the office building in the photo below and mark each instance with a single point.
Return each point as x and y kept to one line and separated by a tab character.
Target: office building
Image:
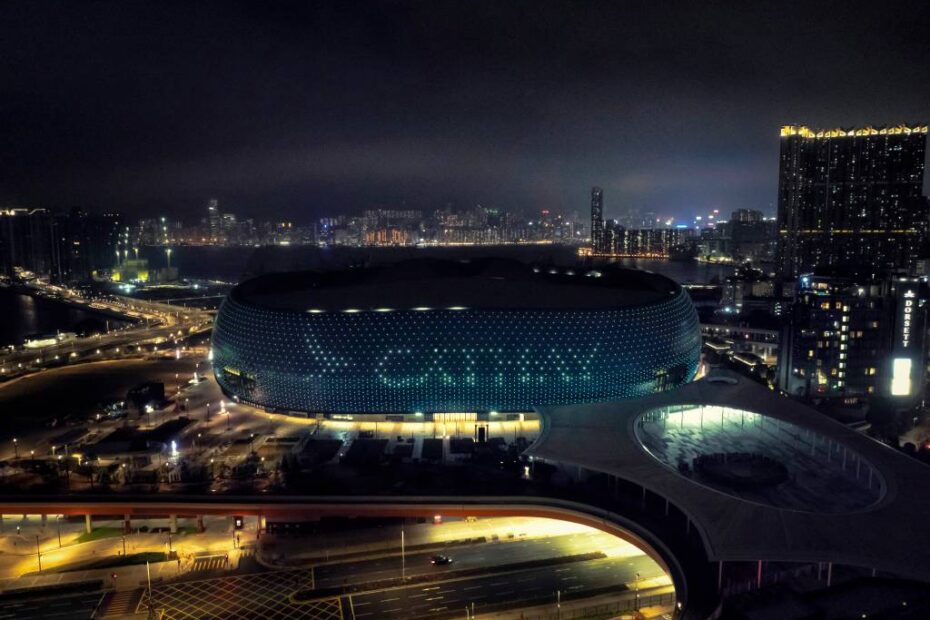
597	219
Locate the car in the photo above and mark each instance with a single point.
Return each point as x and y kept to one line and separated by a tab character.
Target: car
440	560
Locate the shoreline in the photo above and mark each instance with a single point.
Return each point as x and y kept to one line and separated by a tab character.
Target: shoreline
19	289
100	314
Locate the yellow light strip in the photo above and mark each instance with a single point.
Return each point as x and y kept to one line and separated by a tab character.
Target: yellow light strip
807	132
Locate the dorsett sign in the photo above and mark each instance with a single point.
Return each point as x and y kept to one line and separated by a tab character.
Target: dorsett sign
907	317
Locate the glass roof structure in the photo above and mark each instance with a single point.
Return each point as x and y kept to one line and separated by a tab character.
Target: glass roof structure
760	458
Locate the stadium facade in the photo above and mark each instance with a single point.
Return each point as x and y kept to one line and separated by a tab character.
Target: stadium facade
442	336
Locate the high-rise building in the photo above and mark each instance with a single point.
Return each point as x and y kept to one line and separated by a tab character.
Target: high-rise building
214	219
747	216
87	243
63	248
597	219
746	236
28	241
855	339
643	242
850	196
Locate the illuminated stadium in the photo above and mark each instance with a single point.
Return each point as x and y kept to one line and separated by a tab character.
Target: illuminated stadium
430	335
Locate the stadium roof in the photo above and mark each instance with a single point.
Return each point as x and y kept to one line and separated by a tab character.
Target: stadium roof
435	284
885	535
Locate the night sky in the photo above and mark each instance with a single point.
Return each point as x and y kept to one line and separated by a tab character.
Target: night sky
313	109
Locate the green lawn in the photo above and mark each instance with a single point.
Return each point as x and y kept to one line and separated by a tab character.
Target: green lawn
100	532
109	532
108	562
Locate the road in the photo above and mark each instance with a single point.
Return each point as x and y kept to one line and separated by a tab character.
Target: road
464	557
255	592
161	324
503	591
52	608
266	595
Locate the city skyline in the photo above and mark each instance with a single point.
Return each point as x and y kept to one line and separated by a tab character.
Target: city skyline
394	310
398	106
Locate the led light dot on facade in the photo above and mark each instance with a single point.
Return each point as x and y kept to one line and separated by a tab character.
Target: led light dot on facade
502	337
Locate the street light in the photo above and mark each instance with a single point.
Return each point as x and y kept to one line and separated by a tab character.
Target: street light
15	448
636	585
